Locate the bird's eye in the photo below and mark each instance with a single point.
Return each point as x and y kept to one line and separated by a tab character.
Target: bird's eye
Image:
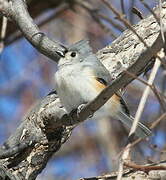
73	54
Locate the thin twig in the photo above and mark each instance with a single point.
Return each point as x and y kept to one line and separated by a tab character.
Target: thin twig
157	64
3	33
125	157
152	126
137	12
104	27
108	19
144	168
126	152
160	99
150	10
156	92
112	175
145	96
96	16
155	123
132	3
151	79
125	21
122	6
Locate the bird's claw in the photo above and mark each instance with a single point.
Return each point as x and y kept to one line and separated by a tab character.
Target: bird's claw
80	107
76	112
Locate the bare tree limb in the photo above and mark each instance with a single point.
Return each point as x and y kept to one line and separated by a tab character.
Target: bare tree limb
17	11
14	36
47	122
34	142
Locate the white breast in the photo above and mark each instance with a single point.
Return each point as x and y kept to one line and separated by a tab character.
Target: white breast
73	89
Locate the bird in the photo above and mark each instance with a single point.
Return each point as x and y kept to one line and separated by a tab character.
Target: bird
81	77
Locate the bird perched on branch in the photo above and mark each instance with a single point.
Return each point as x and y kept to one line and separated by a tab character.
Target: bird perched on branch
81	77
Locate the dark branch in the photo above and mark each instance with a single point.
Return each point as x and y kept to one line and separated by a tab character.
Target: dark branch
20	15
47	122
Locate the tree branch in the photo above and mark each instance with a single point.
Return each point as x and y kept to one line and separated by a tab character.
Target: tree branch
135	171
47	122
17	11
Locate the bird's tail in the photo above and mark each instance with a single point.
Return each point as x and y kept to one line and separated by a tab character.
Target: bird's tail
142	131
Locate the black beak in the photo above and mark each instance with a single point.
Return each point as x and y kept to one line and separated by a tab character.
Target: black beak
62	52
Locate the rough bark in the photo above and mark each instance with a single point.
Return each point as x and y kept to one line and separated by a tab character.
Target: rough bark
35	8
47	126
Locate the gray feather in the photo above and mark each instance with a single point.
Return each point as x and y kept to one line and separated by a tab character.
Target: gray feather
142	131
82	47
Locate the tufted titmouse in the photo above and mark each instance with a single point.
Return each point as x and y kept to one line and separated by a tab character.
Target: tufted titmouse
81	77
